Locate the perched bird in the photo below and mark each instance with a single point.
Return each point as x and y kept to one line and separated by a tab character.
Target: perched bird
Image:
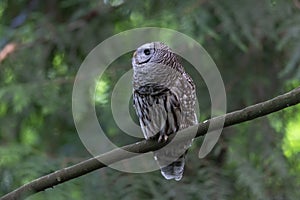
164	98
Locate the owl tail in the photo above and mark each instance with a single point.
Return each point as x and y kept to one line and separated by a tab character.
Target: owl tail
171	159
174	170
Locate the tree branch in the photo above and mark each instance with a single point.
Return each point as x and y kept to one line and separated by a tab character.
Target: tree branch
255	111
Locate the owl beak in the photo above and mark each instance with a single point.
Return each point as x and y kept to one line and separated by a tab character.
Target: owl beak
134	54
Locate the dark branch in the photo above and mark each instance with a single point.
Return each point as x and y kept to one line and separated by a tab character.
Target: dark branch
255	111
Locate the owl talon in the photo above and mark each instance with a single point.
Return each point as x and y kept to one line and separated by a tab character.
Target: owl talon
166	138
162	138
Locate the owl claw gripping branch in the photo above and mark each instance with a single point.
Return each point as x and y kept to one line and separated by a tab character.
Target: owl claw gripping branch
164	98
163	138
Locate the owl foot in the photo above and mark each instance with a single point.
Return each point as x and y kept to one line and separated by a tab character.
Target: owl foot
162	138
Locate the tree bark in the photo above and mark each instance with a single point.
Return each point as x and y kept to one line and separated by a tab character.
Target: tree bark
60	176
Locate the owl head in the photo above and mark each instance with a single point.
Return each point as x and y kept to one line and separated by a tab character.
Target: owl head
150	52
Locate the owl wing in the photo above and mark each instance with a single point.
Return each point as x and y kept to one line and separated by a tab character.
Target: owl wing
158	109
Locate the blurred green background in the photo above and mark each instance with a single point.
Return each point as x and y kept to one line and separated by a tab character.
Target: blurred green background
255	44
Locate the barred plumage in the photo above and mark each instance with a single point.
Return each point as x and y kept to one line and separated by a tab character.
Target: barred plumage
158	106
164	99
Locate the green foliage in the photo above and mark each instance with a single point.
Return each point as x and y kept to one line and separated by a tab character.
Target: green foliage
292	139
255	44
101	96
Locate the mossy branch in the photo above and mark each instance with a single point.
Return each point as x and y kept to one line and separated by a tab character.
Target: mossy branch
60	176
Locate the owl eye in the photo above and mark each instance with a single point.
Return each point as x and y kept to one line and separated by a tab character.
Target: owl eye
147	52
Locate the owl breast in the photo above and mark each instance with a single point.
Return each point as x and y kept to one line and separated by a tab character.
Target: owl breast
158	109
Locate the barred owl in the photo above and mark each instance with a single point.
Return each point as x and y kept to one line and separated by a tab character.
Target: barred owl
164	99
